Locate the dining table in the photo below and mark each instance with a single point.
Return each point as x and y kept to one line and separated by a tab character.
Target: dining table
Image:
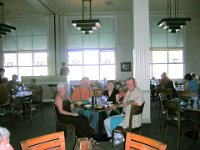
191	110
22	102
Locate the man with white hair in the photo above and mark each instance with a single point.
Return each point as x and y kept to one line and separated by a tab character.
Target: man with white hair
5	139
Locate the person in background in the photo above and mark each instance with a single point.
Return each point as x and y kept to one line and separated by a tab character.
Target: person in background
5	139
164	79
134	96
194	76
191	84
33	85
65	113
64	69
2	71
13	84
113	96
83	93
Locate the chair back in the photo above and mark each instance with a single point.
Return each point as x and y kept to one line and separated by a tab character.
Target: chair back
54	110
3	94
139	142
171	106
135	110
38	93
53	141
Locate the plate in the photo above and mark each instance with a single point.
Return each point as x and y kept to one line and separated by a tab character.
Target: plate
109	102
87	105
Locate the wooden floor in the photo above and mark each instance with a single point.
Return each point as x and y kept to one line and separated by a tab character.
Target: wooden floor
46	124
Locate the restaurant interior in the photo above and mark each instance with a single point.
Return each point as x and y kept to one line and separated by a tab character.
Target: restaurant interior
107	40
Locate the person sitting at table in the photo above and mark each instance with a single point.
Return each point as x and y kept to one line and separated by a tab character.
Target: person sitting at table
83	93
5	139
113	96
33	85
191	84
13	84
165	82
134	96
65	113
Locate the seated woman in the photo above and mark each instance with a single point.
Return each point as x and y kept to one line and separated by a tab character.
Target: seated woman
113	96
192	85
64	110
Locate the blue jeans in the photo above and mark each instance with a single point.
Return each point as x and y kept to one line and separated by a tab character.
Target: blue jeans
95	119
87	113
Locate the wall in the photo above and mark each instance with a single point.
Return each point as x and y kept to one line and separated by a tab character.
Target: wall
124	44
193	44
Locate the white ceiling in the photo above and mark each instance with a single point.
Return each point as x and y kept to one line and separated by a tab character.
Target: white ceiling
39	7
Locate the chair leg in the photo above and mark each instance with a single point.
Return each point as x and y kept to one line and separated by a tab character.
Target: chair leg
113	133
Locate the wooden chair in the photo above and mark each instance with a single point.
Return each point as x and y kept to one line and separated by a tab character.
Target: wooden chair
63	126
135	110
139	142
53	141
37	99
175	117
6	106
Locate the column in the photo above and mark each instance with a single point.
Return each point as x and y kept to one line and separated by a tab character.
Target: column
141	51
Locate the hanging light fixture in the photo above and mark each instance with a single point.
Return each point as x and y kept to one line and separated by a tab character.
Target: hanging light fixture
171	24
4	28
89	25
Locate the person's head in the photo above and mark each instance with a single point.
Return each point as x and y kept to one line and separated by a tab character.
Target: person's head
63	63
14	77
85	82
110	85
33	80
2	71
61	87
164	75
188	77
131	83
5	139
193	74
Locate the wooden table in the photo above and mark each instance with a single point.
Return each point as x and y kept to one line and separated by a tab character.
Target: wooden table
193	112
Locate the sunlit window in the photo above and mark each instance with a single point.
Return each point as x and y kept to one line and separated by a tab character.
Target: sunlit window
95	64
169	61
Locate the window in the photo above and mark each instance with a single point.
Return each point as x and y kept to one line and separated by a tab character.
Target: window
95	64
27	63
91	55
25	50
167	51
166	60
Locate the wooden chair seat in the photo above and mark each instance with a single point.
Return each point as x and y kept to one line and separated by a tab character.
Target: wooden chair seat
139	142
54	141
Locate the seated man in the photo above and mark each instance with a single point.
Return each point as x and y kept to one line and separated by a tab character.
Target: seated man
134	96
84	92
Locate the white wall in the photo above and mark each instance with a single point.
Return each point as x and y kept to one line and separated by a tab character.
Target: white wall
124	44
193	44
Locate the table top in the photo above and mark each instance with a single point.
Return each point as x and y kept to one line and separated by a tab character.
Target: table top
24	93
94	108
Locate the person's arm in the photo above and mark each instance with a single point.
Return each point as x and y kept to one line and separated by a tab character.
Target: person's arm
117	97
59	105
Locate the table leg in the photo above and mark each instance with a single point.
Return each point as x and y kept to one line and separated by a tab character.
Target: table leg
101	136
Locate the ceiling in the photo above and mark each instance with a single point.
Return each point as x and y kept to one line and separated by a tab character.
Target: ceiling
43	7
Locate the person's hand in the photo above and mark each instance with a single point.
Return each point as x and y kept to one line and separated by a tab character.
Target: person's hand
113	107
75	114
